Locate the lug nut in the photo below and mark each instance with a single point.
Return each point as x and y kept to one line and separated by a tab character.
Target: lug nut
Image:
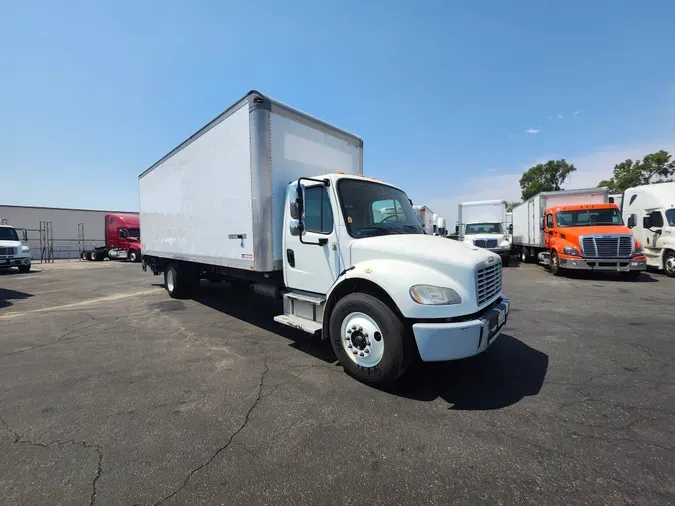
349	331
354	352
360	329
367	350
349	345
353	327
361	354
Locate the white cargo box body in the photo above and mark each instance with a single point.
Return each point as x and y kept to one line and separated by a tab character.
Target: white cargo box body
527	216
218	198
485	211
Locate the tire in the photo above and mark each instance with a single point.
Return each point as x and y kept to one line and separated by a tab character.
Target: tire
554	263
93	256
524	257
84	255
506	260
669	264
24	268
180	281
355	324
134	256
630	275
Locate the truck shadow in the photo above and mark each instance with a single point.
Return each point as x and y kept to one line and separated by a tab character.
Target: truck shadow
645	277
506	373
7	295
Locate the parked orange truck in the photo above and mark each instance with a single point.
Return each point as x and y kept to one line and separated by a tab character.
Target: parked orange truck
576	229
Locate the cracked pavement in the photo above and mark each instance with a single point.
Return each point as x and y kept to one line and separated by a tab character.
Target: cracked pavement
112	393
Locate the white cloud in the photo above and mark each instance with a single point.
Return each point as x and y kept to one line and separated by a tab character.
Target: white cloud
576	113
560	116
591	167
533	130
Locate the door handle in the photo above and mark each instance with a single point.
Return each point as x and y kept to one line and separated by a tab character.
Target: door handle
290	257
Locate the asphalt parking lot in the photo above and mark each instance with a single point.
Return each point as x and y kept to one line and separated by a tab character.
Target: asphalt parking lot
112	393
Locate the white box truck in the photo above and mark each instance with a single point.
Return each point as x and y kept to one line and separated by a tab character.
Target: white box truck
649	212
274	200
425	217
483	224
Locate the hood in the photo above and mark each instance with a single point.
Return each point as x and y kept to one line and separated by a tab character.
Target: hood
10	244
576	232
133	239
436	252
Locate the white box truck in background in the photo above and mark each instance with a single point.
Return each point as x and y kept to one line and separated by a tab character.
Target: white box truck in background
441	228
649	211
425	217
483	224
272	199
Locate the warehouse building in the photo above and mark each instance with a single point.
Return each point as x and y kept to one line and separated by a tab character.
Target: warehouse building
53	233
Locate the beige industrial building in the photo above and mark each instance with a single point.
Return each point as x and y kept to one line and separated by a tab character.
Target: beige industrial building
55	232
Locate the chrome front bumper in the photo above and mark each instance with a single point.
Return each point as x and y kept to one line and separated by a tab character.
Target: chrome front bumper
438	342
7	262
604	264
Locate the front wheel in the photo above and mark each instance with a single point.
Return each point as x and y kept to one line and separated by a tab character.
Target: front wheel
524	257
24	268
368	339
554	263
134	256
669	264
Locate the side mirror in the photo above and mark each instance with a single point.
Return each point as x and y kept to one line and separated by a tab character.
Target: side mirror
296	228
24	235
456	229
541	224
631	221
510	229
647	222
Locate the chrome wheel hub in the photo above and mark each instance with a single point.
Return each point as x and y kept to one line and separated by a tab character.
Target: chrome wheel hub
170	280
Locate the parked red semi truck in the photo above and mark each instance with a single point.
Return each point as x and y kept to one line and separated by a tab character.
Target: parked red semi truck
122	239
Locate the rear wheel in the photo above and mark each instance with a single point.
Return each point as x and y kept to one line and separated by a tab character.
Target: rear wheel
554	263
524	257
368	339
94	255
669	264
179	280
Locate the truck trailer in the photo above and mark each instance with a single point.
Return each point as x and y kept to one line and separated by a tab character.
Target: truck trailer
273	200
483	224
426	217
576	229
122	239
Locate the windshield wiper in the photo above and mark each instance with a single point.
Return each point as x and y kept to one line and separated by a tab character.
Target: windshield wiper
416	228
380	228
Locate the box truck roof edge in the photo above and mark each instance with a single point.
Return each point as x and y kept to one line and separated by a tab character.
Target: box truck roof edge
257	100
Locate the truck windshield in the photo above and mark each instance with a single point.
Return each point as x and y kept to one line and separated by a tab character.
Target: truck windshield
670	216
8	234
483	228
134	232
588	217
376	209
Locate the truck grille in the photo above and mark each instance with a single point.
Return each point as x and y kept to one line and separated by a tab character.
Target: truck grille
488	281
599	246
7	252
485	243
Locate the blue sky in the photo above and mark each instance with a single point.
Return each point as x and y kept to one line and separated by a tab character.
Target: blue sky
443	93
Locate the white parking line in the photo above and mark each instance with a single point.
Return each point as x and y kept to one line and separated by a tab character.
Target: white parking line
78	304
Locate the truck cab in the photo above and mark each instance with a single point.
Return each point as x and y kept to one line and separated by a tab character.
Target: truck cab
483	224
590	237
650	213
357	274
13	253
122	239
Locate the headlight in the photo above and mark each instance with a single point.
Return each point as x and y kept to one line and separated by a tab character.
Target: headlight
569	250
505	244
25	249
639	250
434	295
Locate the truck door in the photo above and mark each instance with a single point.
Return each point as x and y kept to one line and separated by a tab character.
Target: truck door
312	264
548	229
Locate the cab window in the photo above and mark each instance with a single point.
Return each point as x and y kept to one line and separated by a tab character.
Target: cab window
318	212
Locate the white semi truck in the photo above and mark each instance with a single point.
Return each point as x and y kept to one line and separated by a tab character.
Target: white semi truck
483	224
649	212
274	200
13	252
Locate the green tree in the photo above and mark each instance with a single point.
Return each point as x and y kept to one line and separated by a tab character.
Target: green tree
511	205
545	177
653	168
